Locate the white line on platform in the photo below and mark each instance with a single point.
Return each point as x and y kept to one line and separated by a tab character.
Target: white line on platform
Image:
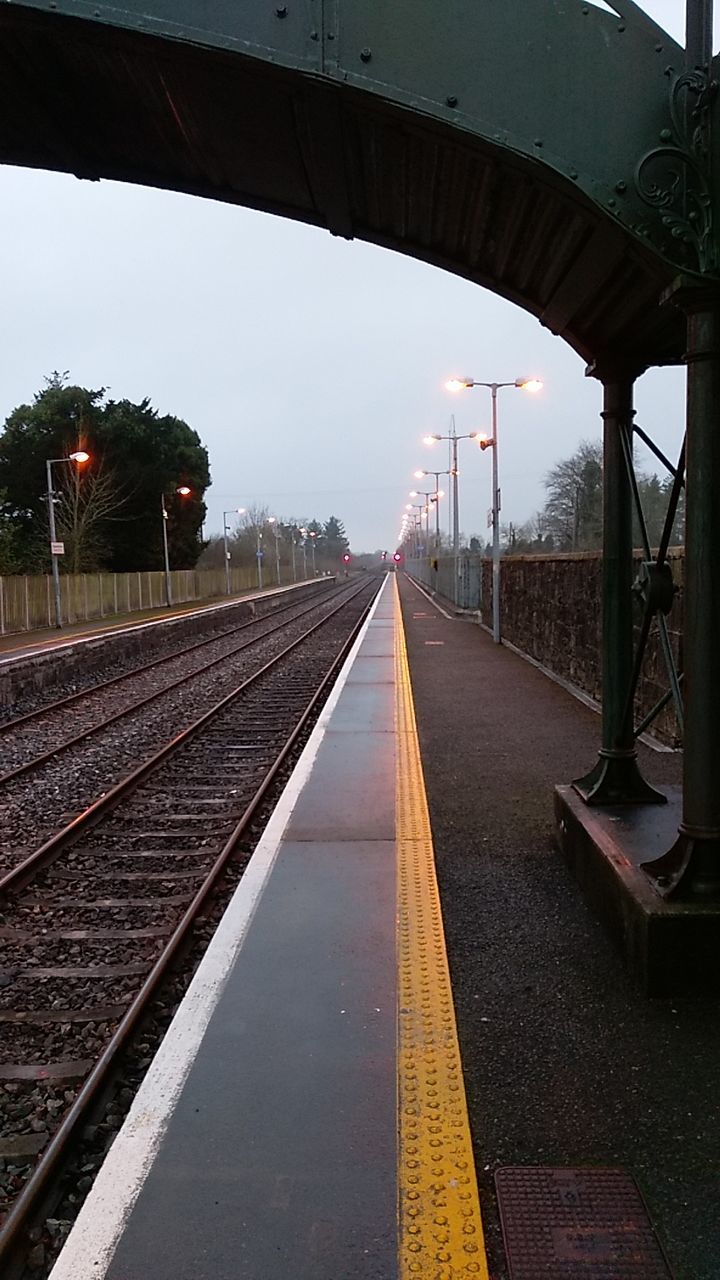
94	1237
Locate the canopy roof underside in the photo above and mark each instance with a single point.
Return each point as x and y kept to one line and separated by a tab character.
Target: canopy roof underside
106	103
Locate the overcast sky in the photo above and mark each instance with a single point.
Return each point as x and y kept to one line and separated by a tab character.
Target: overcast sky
309	366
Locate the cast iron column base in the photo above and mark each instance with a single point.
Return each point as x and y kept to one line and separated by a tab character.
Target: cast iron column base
616	779
690	869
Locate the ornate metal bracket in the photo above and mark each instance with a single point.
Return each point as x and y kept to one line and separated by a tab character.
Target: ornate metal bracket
674	177
654	586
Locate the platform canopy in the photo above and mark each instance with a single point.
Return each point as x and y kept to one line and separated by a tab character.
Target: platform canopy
543	148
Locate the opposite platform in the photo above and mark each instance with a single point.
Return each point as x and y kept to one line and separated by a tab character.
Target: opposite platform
306	1114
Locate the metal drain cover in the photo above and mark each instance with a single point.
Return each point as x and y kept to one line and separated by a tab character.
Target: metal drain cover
577	1224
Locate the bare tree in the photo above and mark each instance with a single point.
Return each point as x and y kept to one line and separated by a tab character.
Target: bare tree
87	501
573	511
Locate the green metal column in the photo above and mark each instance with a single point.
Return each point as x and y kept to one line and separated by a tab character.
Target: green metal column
691	868
616	777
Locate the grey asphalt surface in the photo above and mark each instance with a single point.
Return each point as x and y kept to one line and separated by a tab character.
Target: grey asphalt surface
566	1064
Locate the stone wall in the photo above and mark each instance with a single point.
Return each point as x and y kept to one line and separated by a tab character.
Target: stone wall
551	611
551	608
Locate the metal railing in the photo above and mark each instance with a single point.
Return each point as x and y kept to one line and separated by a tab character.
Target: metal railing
26	602
457	578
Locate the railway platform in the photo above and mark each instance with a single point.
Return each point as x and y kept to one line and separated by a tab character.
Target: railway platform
17	646
313	1111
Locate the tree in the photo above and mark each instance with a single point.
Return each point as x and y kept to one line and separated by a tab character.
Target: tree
572	517
335	542
573	511
86	504
136	456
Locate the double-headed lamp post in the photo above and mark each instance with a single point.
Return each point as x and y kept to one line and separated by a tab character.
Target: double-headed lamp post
430	496
79	457
236	511
431	439
184	492
521	384
411	523
419	475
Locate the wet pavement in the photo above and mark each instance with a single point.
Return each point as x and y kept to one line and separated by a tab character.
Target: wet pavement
566	1064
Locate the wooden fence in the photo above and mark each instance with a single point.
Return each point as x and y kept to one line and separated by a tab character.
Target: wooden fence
26	602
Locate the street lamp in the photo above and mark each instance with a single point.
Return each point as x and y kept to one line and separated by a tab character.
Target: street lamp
430	440
303	533
236	511
79	457
259	553
312	534
522	384
430	496
275	528
184	492
437	474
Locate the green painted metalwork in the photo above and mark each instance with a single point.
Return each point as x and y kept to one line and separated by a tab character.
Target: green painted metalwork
598	99
550	150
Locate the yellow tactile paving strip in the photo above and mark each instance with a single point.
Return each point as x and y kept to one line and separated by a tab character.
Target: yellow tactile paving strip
440	1228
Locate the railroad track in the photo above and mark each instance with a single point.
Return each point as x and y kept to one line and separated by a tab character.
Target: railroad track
41	789
86	711
93	921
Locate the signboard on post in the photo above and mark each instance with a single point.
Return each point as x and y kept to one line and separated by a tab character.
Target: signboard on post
57	548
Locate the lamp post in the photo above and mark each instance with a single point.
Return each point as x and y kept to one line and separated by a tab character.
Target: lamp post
429	496
522	384
273	521
184	492
293	531
78	457
236	511
259	553
313	535
431	439
437	495
418	509
304	551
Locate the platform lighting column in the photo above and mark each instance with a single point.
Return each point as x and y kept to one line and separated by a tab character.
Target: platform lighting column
183	491
523	384
303	533
78	457
259	557
273	521
424	511
236	511
312	536
453	439
419	511
292	553
436	498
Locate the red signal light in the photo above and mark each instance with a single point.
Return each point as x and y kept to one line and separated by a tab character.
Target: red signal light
397	557
346	558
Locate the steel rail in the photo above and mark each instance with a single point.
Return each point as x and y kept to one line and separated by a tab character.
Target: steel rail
46	853
38	1186
7	725
38	761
